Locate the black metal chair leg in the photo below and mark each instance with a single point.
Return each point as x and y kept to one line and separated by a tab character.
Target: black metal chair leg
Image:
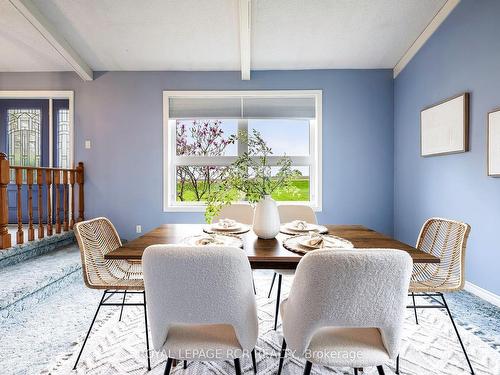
380	370
458	334
397	364
168	366
278	302
185	365
123	304
253	284
237	366
414	307
307	370
271	288
254	362
90	329
147	334
355	371
282	356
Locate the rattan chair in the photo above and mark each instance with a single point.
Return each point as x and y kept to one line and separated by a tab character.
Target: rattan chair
447	240
289	213
96	238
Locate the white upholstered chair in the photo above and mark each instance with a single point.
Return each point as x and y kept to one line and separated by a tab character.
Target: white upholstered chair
96	238
241	212
200	300
347	302
447	240
289	213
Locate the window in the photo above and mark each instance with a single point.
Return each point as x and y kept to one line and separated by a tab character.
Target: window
198	142
24	137
63	144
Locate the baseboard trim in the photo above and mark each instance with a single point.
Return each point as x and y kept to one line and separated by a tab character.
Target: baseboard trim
483	293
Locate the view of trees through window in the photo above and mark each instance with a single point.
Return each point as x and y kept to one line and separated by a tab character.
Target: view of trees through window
217	138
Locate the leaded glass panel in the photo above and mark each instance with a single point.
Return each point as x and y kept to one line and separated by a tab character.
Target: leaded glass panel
63	138
24	137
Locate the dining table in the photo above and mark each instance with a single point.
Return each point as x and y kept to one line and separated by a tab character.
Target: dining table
267	253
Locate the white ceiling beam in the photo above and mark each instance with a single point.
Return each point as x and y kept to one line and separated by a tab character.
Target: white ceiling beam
245	27
438	19
49	32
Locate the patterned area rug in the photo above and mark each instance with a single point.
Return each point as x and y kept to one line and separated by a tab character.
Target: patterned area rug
119	347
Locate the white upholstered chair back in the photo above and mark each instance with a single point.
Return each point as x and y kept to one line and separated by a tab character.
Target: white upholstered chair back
241	212
199	285
348	288
291	212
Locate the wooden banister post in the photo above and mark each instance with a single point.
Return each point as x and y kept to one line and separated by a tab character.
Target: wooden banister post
48	181
57	181
19	184
72	189
65	200
5	241
39	181
81	198
29	181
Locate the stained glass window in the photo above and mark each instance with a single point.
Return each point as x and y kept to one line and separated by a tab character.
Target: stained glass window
24	135
63	138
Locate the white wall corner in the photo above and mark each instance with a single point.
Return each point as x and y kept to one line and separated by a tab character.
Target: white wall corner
483	293
438	19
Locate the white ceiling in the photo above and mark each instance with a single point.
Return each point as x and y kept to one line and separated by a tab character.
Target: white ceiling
204	35
22	48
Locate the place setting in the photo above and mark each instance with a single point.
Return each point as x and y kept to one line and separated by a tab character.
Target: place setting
226	226
305	243
299	227
213	239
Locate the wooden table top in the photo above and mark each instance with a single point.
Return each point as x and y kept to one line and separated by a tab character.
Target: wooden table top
265	254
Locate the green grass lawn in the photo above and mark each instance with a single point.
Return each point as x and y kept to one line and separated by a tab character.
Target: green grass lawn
301	185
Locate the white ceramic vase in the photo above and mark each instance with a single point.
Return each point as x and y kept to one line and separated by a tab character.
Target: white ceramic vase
266	219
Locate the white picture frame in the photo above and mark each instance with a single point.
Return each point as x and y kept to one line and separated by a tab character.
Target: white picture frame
493	150
444	127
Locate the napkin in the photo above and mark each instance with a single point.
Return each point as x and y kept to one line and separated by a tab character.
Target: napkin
316	240
299	224
226	223
210	240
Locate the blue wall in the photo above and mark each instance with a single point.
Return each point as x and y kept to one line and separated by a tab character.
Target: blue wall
121	113
463	55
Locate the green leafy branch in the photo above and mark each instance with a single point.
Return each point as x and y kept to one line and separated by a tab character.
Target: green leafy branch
250	177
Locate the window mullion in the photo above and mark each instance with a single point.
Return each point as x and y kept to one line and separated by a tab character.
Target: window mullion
242	127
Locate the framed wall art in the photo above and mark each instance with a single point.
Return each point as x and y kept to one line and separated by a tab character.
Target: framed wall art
494	143
444	127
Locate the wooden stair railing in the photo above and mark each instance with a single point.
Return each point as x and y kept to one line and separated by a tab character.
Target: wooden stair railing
52	179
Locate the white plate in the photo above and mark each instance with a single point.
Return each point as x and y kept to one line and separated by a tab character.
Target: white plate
234	227
308	228
222	241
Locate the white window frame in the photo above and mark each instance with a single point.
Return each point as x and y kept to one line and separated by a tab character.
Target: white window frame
171	160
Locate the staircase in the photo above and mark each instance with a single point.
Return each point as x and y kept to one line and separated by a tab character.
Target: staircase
31	272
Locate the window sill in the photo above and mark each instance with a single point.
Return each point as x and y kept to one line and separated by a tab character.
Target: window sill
202	207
